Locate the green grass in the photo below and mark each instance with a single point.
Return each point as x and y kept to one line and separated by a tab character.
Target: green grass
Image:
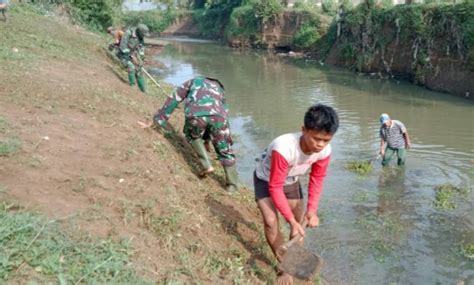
232	265
3	125
30	243
9	146
445	194
25	42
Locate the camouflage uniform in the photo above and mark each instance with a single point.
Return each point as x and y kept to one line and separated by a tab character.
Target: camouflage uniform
132	45
205	110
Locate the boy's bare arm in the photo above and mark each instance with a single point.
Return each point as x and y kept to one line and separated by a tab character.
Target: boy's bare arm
407	139
382	147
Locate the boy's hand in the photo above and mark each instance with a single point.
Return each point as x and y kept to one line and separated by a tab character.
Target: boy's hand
296	228
145	125
313	220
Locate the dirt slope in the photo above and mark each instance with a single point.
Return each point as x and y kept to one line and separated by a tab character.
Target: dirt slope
78	154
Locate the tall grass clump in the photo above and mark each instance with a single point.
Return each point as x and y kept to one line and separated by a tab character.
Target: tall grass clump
9	144
38	250
95	15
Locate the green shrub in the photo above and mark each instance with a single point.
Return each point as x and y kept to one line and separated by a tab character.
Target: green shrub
97	14
306	37
156	20
211	22
267	10
327	41
243	22
329	6
347	52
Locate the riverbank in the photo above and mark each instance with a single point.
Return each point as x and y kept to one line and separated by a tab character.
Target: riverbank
397	42
94	198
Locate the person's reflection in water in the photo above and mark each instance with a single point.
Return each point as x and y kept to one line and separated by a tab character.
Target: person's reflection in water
394	215
391	188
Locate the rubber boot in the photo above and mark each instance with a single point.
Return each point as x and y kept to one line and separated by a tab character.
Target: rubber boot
141	83
131	79
198	146
232	178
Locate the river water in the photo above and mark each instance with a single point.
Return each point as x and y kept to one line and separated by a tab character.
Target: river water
383	228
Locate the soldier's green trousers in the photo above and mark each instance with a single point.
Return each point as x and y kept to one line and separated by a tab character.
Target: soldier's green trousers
134	73
217	128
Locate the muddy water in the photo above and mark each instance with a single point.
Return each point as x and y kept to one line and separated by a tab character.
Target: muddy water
380	229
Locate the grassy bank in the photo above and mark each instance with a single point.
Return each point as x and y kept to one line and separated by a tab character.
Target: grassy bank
87	178
41	250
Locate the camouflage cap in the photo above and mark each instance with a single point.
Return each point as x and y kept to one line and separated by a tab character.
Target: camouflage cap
143	30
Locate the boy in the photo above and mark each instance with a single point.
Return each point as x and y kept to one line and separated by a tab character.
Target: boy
393	134
205	113
276	178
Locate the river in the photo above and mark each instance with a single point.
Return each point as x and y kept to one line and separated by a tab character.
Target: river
382	228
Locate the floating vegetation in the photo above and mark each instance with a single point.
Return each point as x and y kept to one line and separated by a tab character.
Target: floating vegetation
445	193
468	251
361	167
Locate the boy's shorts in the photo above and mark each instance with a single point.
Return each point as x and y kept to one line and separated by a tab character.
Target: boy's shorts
292	191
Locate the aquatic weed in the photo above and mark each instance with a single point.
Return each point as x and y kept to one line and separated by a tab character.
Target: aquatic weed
361	167
445	193
468	251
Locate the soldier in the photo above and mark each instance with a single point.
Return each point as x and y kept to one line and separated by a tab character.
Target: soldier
205	113
132	53
3	8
